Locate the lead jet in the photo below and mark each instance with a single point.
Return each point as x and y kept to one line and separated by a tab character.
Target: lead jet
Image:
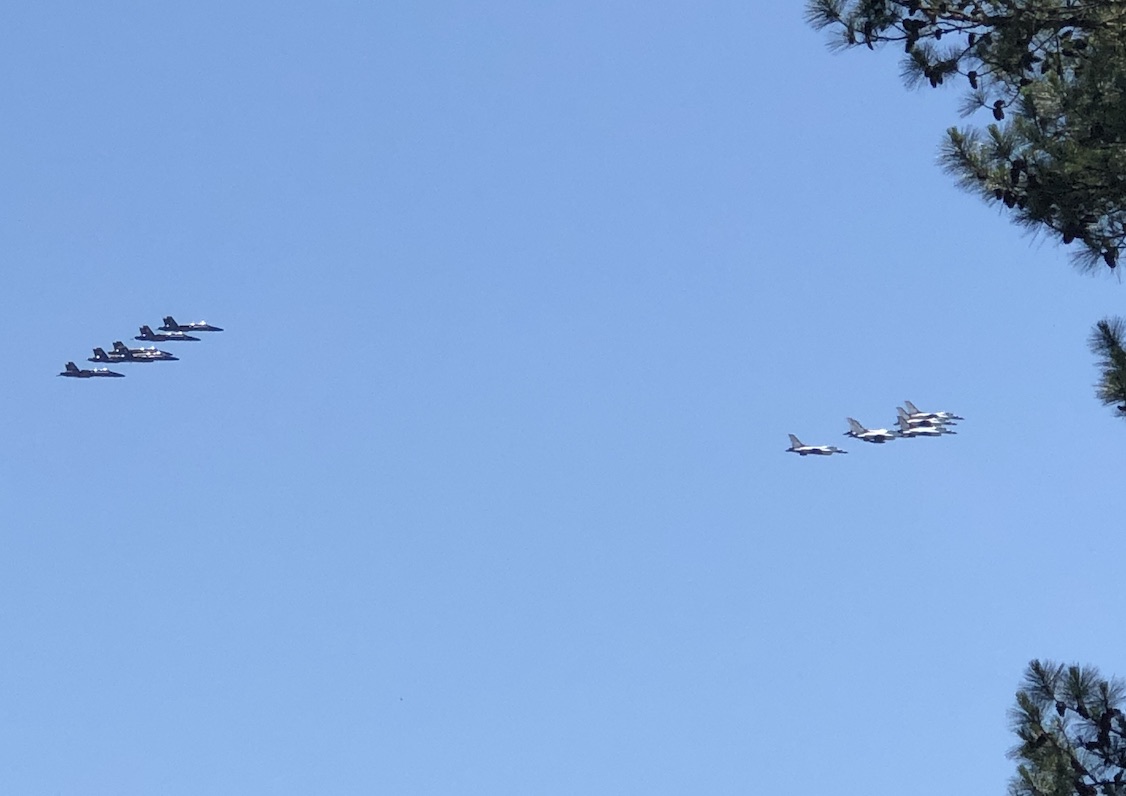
908	431
858	431
150	354
101	356
941	417
816	450
74	371
162	337
170	325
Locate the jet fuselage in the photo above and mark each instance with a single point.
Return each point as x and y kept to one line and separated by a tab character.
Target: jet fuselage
149	335
170	325
74	372
796	446
150	354
875	435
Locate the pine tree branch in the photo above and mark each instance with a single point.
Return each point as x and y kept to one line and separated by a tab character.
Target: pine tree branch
1029	58
1067	720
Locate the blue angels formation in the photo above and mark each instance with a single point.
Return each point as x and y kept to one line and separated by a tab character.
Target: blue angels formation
121	353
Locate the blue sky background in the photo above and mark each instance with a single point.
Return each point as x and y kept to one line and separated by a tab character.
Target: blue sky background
483	488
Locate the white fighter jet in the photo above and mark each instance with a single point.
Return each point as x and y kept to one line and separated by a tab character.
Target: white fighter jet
917	422
817	450
941	417
907	430
868	434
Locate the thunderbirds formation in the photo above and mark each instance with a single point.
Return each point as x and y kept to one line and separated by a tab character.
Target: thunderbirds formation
170	331
911	422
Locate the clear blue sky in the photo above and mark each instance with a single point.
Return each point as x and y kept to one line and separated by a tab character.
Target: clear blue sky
483	489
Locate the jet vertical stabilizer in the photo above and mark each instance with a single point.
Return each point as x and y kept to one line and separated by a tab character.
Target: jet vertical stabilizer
101	356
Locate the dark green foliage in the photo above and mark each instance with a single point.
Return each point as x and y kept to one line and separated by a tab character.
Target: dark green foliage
1107	344
1072	733
1051	73
1052	76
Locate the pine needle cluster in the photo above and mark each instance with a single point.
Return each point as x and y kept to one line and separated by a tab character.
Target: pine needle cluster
1072	733
1051	73
1106	343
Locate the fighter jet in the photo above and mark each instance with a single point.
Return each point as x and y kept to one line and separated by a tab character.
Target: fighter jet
943	417
907	430
150	354
170	325
816	450
868	435
101	356
918	422
74	371
162	337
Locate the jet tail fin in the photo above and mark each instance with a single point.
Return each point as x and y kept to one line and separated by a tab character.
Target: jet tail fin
170	322
100	353
795	442
911	408
119	346
71	367
855	426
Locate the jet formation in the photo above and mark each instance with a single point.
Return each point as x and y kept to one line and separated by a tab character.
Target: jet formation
910	424
121	353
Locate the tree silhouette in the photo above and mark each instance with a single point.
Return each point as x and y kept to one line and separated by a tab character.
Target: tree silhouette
1072	733
1052	74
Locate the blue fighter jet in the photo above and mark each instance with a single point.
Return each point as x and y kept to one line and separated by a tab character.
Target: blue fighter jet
170	325
149	335
75	372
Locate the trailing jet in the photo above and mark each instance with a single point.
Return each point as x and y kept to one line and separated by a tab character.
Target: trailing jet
170	325
150	354
907	430
162	337
942	417
816	450
101	356
868	434
74	371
